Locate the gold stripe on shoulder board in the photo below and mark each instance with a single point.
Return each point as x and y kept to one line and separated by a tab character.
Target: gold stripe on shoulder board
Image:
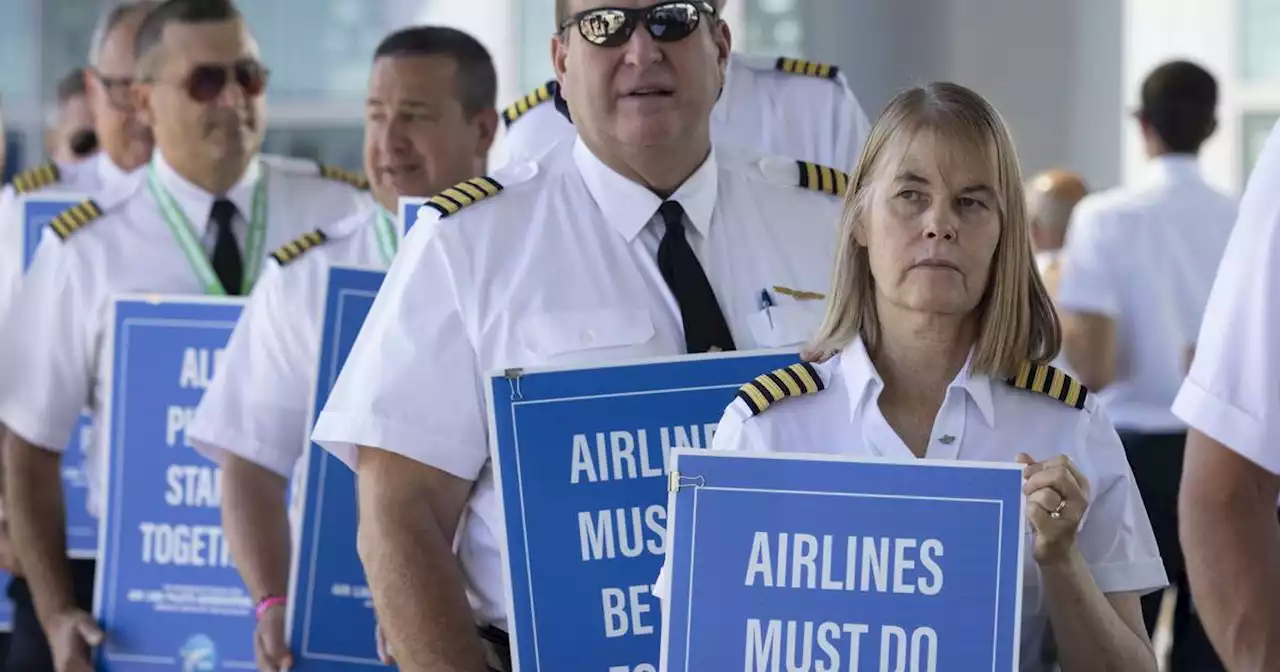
75	218
796	66
462	194
36	178
1052	382
522	106
822	178
292	250
337	174
767	389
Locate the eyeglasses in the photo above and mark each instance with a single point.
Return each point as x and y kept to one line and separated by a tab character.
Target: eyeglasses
613	26
116	88
206	82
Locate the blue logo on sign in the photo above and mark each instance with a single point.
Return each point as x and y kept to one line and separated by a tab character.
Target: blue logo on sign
199	655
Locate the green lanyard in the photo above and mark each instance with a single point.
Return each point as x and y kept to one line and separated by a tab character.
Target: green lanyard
386	235
191	246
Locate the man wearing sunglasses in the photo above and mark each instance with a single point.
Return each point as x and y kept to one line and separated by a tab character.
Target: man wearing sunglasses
635	240
200	218
429	123
785	106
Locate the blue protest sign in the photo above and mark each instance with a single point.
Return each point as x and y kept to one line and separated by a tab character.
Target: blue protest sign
787	561
167	591
82	530
37	211
409	213
331	622
581	459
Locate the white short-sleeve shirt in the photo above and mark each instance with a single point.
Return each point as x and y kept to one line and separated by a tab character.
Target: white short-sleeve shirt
560	268
256	407
52	350
1232	393
1146	257
93	176
780	106
984	420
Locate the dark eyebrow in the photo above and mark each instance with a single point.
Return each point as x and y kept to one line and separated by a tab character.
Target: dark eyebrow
978	188
908	176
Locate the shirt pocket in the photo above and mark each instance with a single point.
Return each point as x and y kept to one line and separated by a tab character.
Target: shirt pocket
556	334
786	325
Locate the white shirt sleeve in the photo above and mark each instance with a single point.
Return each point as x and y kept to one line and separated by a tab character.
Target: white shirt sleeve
256	407
1088	281
1115	536
412	384
47	348
1232	392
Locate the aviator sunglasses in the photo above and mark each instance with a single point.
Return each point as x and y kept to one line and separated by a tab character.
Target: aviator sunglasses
613	26
206	82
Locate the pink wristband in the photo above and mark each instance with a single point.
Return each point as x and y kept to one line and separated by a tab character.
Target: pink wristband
267	603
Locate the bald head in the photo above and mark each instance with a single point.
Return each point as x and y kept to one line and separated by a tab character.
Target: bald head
1051	197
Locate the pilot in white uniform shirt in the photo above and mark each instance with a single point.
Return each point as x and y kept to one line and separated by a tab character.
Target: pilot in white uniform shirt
96	175
52	349
784	106
989	420
256	407
553	263
1231	393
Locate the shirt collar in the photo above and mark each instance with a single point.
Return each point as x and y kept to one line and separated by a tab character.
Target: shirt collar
860	375
109	174
628	206
1175	168
196	203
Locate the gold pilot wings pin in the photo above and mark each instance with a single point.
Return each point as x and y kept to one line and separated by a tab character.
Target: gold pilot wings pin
1051	381
796	380
36	178
294	249
522	106
462	194
796	66
75	218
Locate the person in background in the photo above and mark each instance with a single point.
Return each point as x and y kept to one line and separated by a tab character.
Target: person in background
186	225
785	106
429	124
1051	198
69	136
638	239
1230	401
1140	262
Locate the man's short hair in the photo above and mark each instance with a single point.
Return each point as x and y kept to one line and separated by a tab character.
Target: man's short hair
151	32
1179	100
70	86
477	80
563	13
111	18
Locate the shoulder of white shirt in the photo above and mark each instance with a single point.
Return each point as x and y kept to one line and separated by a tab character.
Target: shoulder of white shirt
782	171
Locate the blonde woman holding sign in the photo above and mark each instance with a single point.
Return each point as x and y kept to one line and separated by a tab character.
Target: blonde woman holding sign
933	346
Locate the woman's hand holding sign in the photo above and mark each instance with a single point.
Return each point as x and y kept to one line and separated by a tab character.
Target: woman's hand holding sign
1057	497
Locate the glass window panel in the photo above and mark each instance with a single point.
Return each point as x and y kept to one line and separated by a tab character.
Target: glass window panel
339	145
536	26
1260	40
1256	128
772	27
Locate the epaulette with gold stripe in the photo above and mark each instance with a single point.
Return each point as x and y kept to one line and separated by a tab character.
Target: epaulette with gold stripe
822	178
463	194
521	107
36	178
1051	381
793	381
292	250
337	174
75	218
796	66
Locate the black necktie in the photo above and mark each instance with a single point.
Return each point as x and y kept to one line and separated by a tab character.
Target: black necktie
704	325
227	263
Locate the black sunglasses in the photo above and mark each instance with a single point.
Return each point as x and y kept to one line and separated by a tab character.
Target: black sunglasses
207	81
613	26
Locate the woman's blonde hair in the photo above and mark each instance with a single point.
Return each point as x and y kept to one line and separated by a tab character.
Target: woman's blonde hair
1017	322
